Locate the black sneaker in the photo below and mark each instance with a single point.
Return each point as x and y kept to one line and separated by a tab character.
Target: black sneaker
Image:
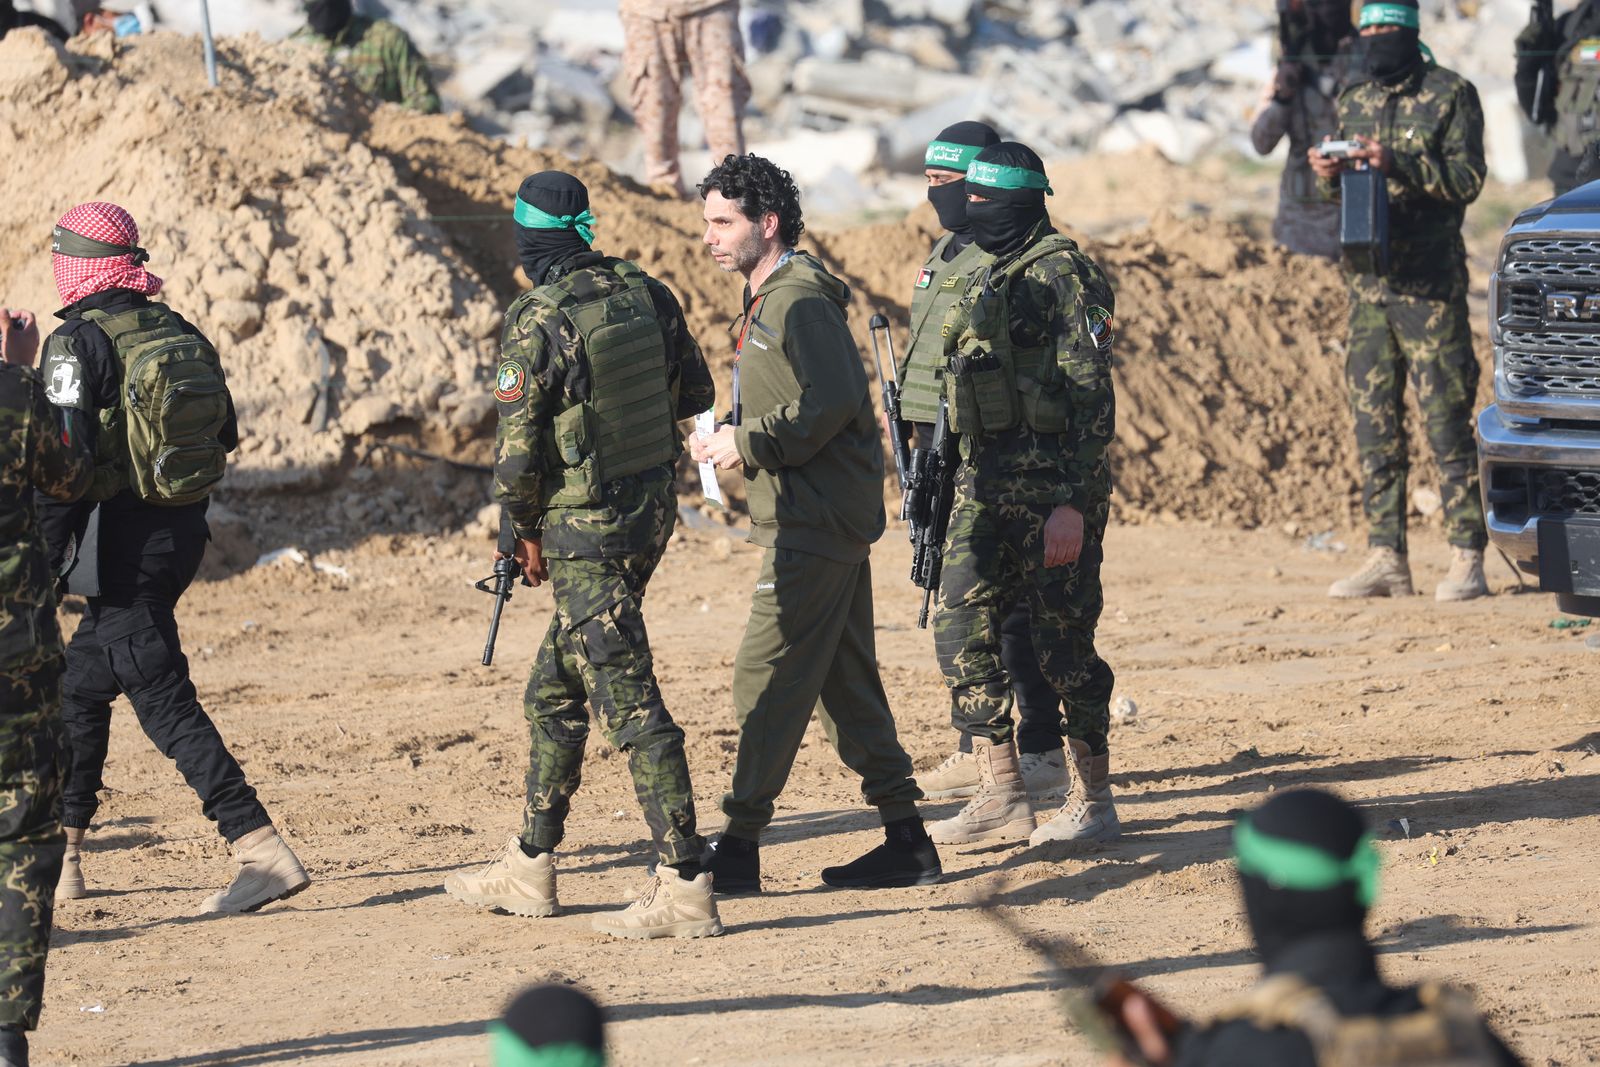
13	1047
734	865
906	858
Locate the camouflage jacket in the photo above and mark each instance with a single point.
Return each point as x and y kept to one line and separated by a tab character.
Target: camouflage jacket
543	372
1433	123
382	60
1049	304
34	455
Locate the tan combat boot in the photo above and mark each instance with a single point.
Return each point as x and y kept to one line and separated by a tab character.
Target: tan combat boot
512	882
1089	813
1465	580
1386	573
999	811
953	779
268	871
1044	774
71	885
669	907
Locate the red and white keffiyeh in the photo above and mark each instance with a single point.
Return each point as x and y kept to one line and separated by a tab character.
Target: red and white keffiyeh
77	278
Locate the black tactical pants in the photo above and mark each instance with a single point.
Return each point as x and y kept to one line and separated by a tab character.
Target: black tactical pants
127	644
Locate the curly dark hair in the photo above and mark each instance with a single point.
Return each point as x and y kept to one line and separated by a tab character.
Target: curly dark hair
758	186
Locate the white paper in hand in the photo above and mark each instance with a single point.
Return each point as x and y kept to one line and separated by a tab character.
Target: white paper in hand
706	423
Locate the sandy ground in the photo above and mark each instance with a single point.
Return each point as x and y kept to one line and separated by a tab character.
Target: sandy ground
390	757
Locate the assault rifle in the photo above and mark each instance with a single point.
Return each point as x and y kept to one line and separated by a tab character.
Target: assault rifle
930	494
891	402
504	579
1093	995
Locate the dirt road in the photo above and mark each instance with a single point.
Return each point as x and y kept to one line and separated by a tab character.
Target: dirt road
390	757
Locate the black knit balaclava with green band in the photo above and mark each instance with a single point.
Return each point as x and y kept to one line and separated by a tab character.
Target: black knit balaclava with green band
1391	57
549	1026
953	150
1307	866
1010	177
553	222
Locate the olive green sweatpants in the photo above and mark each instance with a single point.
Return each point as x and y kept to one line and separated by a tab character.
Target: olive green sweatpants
809	646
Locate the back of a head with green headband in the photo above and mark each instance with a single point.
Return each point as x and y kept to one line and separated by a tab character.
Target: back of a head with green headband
549	1026
553	221
1307	865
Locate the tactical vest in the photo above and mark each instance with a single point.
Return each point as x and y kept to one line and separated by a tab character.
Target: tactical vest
939	285
163	438
1445	1032
992	384
1578	100
626	426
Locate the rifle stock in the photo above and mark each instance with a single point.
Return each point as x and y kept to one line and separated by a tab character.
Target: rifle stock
891	401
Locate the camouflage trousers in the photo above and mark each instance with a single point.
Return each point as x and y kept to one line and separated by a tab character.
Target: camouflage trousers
597	650
656	55
1429	341
32	761
994	559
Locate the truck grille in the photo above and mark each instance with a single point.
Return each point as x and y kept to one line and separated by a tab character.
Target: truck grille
1555	491
1557	360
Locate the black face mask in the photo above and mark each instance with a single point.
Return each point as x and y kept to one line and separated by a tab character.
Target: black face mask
950	203
1389	57
328	17
1001	227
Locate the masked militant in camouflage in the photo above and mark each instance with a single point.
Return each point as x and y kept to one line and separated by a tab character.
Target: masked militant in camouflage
596	368
1422	127
35	457
379	55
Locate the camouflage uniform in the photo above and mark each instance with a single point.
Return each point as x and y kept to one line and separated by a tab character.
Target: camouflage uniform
663	40
382	60
600	559
1414	319
1007	486
34	455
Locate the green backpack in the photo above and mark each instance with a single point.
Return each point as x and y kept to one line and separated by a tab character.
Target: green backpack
165	435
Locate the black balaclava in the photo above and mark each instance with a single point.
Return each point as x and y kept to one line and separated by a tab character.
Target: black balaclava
1391	57
1330	24
555	193
550	1025
328	17
1286	902
952	150
1011	178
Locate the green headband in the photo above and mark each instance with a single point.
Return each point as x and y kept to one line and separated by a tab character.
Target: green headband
1286	864
76	245
1000	176
506	1049
534	219
1390	15
947	155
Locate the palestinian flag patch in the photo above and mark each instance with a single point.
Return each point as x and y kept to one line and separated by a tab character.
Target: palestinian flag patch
924	278
508	382
1589	51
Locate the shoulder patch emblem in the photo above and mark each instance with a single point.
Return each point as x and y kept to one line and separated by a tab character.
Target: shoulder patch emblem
508	382
63	387
924	278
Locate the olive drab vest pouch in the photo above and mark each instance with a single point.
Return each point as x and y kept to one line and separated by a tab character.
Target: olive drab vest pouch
939	284
626	426
1446	1031
1578	98
993	384
165	434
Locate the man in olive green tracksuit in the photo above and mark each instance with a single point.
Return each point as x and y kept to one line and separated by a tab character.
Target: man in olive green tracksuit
804	432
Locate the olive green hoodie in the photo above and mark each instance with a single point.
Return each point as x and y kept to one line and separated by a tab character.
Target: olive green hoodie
808	438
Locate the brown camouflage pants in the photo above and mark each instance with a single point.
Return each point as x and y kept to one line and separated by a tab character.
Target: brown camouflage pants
32	761
656	55
597	651
1431	342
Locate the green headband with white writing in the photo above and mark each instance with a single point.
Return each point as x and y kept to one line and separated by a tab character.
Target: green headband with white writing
1000	176
947	155
1285	864
1390	15
534	219
509	1050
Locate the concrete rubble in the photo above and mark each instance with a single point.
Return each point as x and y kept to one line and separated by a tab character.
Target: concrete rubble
1069	77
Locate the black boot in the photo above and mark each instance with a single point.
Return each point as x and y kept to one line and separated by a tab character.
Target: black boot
906	857
13	1047
734	864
